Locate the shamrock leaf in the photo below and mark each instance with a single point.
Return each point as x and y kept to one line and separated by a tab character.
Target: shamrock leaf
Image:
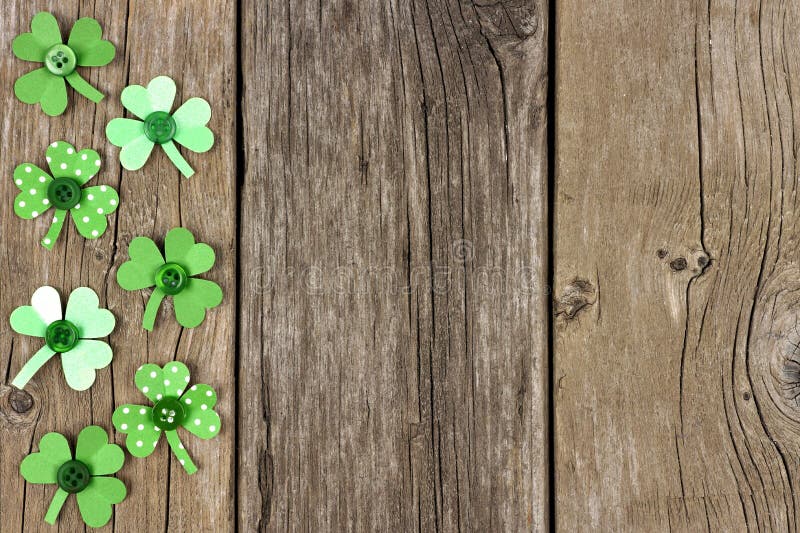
84	475
61	189
152	104
185	258
201	419
33	182
86	40
42	467
90	214
71	337
174	406
83	360
41	87
44	34
46	85
136	421
95	502
66	162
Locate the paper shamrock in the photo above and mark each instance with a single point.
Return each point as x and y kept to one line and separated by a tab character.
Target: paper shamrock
172	277
187	126
62	189
72	337
175	406
45	85
87	474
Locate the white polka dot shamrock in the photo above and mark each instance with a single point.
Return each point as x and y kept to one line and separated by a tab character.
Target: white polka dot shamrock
175	405
62	189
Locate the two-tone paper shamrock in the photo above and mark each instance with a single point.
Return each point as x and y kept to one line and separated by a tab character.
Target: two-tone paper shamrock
86	474
74	336
62	189
46	85
187	126
172	274
175	404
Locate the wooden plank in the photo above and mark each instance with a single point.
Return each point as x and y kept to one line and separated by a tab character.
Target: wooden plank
393	355
193	42
676	266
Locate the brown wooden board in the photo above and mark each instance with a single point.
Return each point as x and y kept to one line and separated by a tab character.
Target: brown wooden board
393	325
195	43
676	266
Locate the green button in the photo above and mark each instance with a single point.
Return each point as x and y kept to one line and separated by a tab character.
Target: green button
159	127
171	278
61	336
168	414
73	476
60	60
64	193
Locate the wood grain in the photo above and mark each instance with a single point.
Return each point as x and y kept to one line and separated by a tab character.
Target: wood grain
193	42
676	357
393	329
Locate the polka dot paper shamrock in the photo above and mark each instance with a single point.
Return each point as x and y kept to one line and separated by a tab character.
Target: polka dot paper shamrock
62	189
175	405
86	474
46	85
73	337
172	277
187	126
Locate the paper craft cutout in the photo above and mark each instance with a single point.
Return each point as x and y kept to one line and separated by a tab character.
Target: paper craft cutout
87	474
72	337
46	85
172	277
61	188
175	405
187	126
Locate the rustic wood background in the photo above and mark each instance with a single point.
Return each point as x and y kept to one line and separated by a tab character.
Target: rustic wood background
427	326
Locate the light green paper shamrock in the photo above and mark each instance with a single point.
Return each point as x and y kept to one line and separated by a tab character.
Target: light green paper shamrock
187	126
172	277
62	189
87	475
175	405
45	85
72	337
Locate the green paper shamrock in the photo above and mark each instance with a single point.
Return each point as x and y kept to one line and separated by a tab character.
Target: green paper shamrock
72	337
187	126
174	406
45	85
87	474
62	190
172	277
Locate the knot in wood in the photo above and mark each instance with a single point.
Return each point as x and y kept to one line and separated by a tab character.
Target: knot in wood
20	401
575	297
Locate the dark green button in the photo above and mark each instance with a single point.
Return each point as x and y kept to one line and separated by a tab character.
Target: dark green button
60	60
159	127
61	336
168	414
73	476
171	278
64	193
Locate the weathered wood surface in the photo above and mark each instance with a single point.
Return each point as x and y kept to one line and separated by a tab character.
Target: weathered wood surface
676	266
194	42
393	349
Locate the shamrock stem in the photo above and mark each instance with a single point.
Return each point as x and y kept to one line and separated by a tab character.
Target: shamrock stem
180	452
55	229
32	366
55	506
151	310
83	87
177	159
